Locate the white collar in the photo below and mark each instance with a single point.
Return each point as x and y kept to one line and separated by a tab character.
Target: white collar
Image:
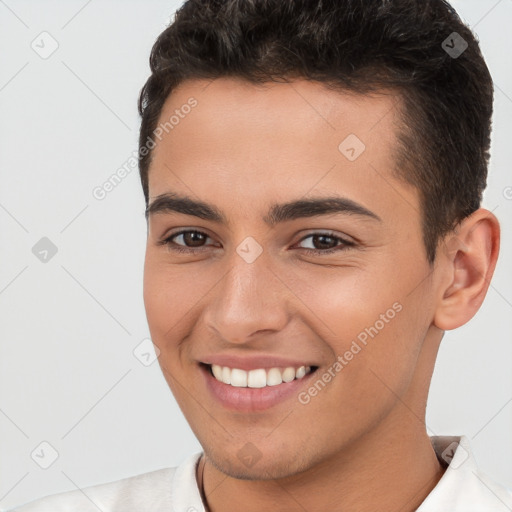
462	488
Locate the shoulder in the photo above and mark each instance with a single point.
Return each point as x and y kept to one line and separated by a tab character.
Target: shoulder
147	491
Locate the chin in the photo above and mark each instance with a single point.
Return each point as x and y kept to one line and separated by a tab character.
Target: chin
262	468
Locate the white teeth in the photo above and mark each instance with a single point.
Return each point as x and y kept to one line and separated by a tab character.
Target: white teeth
217	371
274	377
258	378
226	375
288	374
238	378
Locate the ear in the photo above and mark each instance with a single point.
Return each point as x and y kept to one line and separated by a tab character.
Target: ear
469	256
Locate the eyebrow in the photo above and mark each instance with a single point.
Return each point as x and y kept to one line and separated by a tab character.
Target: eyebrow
278	213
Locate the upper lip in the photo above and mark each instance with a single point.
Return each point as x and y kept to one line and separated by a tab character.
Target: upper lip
254	362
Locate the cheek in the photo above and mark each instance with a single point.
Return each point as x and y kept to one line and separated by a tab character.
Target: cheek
167	288
168	297
342	302
373	326
174	297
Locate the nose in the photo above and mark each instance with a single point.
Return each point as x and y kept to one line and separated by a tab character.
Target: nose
249	299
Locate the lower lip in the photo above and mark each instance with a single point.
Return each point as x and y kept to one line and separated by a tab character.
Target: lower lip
252	399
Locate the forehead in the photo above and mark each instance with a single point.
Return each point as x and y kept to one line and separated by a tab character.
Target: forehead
228	108
275	139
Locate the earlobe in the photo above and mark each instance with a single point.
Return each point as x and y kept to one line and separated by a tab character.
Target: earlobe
470	256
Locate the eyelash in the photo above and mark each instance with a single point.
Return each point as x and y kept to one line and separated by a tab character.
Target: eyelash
345	244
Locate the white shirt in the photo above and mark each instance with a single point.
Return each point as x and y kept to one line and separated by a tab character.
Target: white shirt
462	488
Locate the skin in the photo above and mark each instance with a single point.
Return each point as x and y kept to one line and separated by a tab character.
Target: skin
361	443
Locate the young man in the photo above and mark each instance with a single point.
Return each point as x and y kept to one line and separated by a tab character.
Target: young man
313	173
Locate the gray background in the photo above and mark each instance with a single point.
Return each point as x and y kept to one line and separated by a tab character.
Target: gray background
69	326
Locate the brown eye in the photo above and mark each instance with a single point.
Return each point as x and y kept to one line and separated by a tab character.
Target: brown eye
191	241
326	243
193	238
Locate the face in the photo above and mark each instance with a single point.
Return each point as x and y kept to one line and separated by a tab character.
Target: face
277	240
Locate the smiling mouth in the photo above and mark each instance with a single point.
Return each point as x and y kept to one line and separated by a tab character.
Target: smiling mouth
257	378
